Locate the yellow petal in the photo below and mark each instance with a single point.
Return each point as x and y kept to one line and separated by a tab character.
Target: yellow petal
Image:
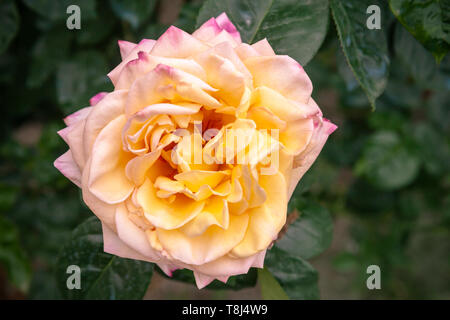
282	74
196	178
215	212
267	220
212	244
297	135
109	108
137	167
224	76
107	179
176	43
165	215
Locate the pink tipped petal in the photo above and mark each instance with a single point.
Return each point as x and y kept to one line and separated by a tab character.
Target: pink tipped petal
282	74
77	116
223	279
67	166
125	48
63	134
74	139
228	266
263	48
304	160
259	260
109	108
202	280
225	23
175	43
145	45
166	267
96	99
331	126
208	30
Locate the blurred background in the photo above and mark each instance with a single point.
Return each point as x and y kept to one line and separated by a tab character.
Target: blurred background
384	175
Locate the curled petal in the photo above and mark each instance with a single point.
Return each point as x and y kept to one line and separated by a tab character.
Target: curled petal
165	215
145	45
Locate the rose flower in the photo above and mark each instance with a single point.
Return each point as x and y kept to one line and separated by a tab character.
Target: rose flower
191	160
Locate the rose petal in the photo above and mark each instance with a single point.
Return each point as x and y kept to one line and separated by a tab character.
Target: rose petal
107	179
67	166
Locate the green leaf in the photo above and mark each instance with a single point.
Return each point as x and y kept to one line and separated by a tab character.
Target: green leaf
57	10
94	31
136	12
187	17
50	50
296	276
365	49
387	162
12	256
103	276
9	23
309	234
293	27
270	288
234	283
414	57
81	78
428	21
435	149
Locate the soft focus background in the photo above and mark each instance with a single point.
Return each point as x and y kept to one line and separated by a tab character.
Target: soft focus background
384	175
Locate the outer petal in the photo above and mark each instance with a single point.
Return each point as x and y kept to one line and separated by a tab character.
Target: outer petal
96	99
113	245
104	211
67	166
228	266
126	48
263	48
207	30
145	62
145	45
77	116
133	236
74	139
227	25
107	179
283	74
212	244
162	84
109	108
303	161
176	43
